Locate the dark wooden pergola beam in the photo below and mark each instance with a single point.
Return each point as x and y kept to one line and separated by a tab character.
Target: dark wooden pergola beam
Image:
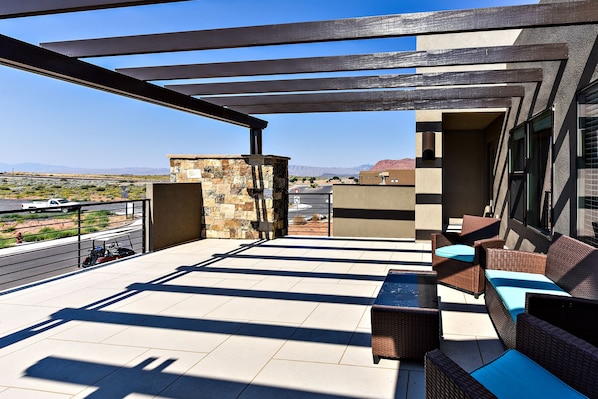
453	104
360	62
25	56
416	24
29	8
375	96
501	76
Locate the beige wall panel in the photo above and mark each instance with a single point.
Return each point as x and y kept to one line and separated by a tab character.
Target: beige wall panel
374	211
374	197
175	214
428	181
428	217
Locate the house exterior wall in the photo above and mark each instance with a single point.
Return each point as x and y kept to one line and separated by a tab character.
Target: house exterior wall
374	211
395	177
244	197
431	184
562	82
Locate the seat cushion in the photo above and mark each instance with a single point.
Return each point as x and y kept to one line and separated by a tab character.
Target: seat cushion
461	252
514	375
511	287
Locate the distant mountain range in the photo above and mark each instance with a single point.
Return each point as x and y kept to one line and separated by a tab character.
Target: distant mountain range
316	171
41	168
294	170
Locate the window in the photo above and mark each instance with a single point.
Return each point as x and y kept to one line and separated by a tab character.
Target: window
539	176
530	177
587	225
517	174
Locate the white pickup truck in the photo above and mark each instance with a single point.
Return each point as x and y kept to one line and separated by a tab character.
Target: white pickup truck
53	204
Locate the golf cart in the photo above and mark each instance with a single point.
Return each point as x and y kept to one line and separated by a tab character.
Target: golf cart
107	248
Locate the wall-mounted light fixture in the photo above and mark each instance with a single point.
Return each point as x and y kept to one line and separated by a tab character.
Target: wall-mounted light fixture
428	146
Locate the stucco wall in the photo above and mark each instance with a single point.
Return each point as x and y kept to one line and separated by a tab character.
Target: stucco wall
562	82
374	211
175	214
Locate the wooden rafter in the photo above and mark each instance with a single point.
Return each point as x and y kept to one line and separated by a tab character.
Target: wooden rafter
374	96
21	55
28	8
389	60
501	76
454	104
482	19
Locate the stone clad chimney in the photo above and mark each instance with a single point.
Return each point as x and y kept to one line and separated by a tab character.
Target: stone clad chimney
244	196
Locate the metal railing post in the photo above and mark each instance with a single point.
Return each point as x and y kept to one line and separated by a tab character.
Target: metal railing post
144	223
78	236
329	213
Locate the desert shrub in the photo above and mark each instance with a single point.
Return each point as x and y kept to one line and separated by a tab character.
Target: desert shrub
7	242
99	219
299	220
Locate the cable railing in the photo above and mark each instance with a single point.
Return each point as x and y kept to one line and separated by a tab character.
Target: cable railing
310	213
39	244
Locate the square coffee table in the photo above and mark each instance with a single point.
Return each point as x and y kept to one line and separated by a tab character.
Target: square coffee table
405	316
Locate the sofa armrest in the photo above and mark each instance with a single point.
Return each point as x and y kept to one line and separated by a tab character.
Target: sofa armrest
568	357
493	242
575	315
446	379
515	261
481	247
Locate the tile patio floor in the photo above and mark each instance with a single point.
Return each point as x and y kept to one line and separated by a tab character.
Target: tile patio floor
287	318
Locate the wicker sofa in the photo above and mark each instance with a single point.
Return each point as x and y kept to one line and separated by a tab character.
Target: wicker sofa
567	357
466	275
569	269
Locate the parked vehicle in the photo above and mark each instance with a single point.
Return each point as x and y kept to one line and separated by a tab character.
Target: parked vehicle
107	248
53	204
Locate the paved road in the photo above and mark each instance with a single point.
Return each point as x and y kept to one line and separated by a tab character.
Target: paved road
10	204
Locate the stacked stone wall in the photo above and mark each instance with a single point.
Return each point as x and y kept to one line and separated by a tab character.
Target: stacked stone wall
244	197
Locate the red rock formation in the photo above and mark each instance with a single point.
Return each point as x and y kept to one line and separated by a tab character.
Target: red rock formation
390	164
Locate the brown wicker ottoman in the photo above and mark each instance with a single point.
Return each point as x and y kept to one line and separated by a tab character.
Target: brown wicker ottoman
405	316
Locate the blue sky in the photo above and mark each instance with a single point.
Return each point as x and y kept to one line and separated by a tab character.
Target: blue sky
52	122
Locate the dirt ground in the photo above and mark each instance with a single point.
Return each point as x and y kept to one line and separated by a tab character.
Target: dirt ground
311	228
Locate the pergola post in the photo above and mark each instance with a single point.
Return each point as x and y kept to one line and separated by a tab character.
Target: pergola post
255	136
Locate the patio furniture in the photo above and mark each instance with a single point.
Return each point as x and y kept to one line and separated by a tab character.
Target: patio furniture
466	273
569	313
547	362
405	317
570	268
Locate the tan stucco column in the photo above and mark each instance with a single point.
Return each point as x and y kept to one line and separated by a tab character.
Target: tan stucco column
428	176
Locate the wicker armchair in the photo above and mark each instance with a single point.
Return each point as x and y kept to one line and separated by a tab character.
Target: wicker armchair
571	359
479	232
570	264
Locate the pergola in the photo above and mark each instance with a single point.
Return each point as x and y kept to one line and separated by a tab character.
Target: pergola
237	102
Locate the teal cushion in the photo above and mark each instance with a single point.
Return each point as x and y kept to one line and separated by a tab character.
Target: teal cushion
512	287
514	375
460	252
